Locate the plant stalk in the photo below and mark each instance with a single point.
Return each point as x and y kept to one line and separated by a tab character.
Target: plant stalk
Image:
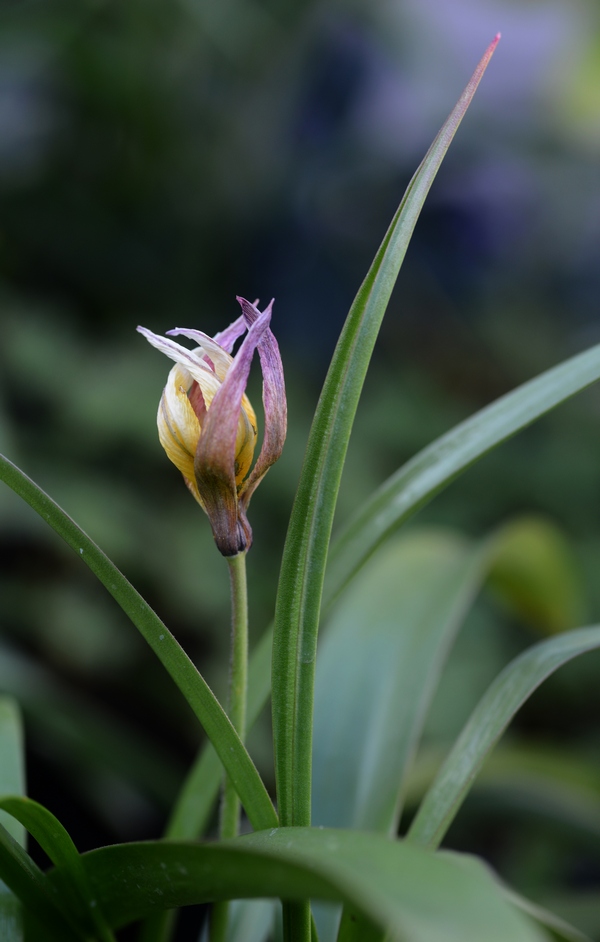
236	710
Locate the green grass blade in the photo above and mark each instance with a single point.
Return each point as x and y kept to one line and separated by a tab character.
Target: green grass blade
192	685
406	890
490	718
305	552
76	895
432	469
12	780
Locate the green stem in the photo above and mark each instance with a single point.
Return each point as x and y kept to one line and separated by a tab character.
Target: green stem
297	922
236	710
238	683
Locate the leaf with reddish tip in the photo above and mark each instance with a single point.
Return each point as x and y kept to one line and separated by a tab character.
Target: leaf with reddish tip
305	554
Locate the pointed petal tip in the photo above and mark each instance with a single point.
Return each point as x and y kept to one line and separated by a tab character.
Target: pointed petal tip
147	333
492	46
254	303
175	331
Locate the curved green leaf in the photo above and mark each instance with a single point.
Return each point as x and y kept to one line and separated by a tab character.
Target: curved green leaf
432	469
408	891
490	718
192	685
39	897
76	896
302	571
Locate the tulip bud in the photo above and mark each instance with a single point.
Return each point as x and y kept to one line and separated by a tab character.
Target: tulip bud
207	425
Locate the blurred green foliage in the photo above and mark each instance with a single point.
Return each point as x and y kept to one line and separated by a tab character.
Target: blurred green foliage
158	158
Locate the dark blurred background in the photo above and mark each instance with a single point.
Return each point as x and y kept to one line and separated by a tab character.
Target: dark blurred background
158	158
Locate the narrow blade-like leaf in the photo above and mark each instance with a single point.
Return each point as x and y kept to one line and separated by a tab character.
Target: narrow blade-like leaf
490	718
192	685
303	565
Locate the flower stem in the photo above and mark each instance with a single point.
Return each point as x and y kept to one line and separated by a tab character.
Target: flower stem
238	682
236	710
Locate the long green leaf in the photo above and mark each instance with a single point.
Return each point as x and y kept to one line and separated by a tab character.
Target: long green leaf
12	779
75	893
412	893
192	685
432	469
305	552
490	718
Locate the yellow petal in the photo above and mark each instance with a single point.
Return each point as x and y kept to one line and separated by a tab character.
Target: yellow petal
245	442
178	426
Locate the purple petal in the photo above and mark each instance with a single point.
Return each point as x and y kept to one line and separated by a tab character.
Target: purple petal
274	400
214	463
226	338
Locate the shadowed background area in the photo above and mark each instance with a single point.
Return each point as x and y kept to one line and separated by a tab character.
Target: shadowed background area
158	158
